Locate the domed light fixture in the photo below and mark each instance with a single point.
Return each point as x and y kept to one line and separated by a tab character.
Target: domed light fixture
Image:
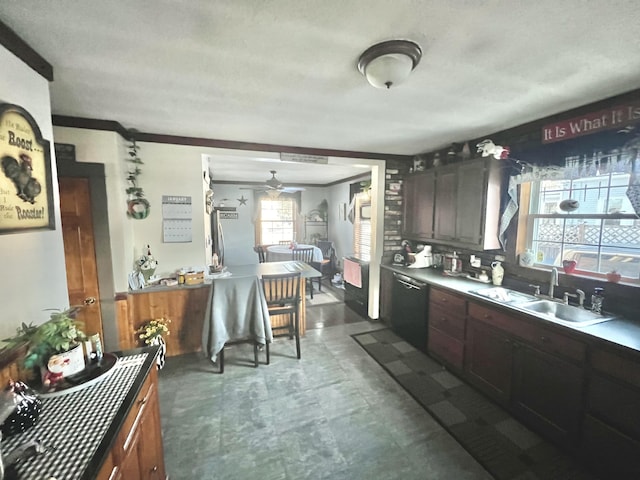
389	63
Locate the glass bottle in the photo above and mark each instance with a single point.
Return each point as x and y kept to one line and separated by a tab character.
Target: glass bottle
596	300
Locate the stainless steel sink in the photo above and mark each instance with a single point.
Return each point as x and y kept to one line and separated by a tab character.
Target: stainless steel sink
565	314
504	295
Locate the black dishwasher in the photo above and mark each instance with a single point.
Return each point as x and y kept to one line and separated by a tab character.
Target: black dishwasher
410	309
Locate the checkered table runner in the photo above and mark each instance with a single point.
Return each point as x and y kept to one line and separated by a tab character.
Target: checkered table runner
73	425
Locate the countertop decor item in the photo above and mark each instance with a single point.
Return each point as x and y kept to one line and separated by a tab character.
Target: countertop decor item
613	276
58	338
497	273
147	264
569	266
527	258
151	333
26	411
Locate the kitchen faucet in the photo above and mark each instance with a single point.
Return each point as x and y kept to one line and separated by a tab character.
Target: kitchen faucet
579	295
553	281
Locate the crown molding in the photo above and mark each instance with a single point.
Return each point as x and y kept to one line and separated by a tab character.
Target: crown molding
12	42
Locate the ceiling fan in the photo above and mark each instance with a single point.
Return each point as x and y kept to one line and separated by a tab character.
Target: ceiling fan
274	187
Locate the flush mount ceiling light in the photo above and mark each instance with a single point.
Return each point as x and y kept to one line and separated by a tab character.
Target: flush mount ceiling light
389	63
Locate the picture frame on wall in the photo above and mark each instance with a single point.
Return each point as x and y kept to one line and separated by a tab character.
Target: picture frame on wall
26	188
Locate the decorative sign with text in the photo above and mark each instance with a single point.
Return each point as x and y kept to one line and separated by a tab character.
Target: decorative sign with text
26	194
614	117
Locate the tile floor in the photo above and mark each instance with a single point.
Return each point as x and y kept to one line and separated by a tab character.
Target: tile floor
334	414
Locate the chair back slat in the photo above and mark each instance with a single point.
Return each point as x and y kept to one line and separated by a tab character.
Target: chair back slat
302	254
282	289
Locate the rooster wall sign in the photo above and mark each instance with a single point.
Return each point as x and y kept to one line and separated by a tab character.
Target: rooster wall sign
26	194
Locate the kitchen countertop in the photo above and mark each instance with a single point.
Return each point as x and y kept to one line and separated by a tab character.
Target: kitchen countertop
620	331
79	428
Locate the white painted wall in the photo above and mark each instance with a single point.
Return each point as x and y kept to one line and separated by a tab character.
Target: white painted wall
340	229
33	271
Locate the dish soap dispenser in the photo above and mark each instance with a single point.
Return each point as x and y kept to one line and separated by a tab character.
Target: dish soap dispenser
596	300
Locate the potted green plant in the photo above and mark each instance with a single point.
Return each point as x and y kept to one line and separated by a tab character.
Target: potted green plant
59	337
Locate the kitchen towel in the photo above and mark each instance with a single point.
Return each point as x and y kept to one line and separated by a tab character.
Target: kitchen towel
510	210
352	273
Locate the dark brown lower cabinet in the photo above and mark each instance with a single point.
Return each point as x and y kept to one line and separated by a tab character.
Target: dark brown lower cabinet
611	428
547	393
489	360
609	451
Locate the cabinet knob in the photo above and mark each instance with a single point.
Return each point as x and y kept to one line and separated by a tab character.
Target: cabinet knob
155	468
544	339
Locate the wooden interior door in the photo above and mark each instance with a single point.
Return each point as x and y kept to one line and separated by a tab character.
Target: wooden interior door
79	251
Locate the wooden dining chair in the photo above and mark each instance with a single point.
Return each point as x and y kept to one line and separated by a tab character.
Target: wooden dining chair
328	264
304	255
282	292
261	250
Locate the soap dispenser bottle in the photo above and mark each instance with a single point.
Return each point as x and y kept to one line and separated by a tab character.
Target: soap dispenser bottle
597	299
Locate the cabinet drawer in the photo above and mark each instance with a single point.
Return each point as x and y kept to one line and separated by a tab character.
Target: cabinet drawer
537	335
617	366
449	301
493	317
127	432
446	348
446	321
556	343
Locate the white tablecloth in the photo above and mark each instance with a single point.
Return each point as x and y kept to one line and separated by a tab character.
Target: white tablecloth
237	310
280	253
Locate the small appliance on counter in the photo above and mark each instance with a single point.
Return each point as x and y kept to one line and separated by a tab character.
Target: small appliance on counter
423	259
452	264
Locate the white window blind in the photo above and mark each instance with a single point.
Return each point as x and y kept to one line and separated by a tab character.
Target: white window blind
362	227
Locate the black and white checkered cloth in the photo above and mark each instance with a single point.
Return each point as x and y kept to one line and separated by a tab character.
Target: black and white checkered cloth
73	425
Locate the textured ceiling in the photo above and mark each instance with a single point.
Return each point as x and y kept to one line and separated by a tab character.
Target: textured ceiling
284	72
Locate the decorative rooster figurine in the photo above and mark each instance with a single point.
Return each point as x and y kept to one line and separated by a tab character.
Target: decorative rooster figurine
487	147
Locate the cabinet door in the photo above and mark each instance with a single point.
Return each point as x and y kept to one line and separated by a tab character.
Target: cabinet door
418	205
470	201
610	452
150	452
489	359
547	393
445	205
386	289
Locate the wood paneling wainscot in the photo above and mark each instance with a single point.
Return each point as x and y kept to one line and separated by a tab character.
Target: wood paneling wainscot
185	306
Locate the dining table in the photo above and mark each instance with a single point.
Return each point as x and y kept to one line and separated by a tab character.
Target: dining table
277	253
237	309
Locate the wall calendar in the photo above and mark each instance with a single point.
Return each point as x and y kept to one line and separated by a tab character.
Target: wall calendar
177	218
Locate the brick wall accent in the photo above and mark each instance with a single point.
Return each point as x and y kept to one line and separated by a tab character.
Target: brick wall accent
393	205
